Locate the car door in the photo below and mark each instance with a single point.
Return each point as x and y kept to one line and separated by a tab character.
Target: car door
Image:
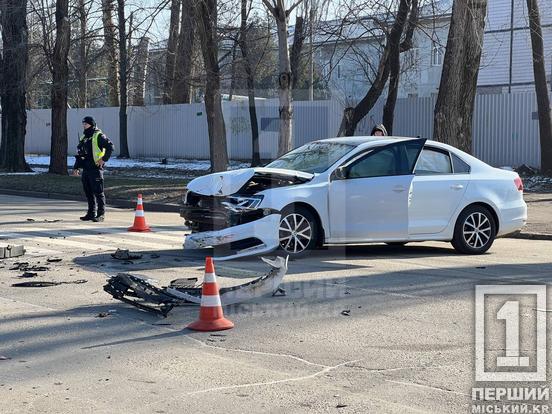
368	195
440	182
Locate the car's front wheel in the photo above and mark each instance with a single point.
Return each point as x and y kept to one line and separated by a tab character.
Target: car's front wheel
475	230
298	231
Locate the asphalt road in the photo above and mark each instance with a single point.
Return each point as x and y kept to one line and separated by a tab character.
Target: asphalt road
406	344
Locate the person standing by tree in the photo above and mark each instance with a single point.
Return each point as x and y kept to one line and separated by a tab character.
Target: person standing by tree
94	150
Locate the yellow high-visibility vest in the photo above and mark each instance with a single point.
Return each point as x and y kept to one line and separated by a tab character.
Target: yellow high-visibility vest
97	152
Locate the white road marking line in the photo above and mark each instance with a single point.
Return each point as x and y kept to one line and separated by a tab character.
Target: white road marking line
123	238
81	230
62	242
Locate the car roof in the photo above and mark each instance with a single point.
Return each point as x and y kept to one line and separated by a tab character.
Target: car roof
356	141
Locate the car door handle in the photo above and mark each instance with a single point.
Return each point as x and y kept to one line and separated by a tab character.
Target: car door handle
399	189
457	187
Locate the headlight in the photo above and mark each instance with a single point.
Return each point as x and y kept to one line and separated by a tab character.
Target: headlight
247	202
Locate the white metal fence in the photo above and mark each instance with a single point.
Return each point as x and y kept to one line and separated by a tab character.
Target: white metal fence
505	127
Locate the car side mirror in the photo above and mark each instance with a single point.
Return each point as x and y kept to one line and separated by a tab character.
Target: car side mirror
340	173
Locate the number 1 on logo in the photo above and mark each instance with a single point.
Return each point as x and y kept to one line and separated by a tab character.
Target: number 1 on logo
510	313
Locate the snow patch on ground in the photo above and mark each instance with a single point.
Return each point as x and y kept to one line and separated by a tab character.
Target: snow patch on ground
178	167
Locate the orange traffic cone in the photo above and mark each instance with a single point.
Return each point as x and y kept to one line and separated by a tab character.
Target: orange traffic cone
211	317
139	218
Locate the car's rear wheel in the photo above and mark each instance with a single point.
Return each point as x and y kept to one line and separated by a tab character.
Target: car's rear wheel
475	230
298	231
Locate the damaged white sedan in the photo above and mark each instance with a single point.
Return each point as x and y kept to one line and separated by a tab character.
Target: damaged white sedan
355	190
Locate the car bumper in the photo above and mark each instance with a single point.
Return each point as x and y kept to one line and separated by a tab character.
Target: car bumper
512	219
265	231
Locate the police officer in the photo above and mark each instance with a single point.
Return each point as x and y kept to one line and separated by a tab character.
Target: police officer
94	150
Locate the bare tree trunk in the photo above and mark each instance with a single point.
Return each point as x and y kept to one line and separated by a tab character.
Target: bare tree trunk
233	72
285	143
352	116
82	67
455	102
171	51
182	91
123	81
206	17
255	150
543	100
395	68
296	48
60	79
140	70
111	51
14	68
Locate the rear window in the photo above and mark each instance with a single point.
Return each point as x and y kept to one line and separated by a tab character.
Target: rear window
459	166
433	162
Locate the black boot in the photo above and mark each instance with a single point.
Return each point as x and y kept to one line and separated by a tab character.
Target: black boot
99	218
88	217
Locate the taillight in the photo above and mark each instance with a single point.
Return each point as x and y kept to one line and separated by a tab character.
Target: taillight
518	183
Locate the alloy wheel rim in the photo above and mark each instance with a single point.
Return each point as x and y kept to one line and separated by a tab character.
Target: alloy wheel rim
477	230
295	233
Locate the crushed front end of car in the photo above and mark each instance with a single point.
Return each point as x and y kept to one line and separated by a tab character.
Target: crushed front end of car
224	211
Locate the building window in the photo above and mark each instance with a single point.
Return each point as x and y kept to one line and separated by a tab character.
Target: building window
437	54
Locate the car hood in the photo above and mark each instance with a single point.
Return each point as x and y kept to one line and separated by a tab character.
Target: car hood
230	182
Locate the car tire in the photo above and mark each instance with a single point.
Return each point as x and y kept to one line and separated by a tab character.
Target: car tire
396	244
298	231
475	230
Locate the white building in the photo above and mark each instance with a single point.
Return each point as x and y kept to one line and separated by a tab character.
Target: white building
506	63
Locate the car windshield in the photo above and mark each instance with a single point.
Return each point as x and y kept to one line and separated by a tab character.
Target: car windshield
313	158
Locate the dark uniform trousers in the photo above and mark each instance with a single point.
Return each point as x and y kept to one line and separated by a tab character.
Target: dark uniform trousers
93	184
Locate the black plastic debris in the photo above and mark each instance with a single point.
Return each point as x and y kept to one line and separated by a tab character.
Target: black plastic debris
124	254
44	283
346	312
279	292
53	260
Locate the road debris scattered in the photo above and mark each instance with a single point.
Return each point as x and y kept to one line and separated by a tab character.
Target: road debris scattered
144	294
346	312
29	275
124	254
54	260
4	358
103	315
45	283
25	267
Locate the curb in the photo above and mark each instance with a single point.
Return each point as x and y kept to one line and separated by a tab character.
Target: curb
530	236
154	207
